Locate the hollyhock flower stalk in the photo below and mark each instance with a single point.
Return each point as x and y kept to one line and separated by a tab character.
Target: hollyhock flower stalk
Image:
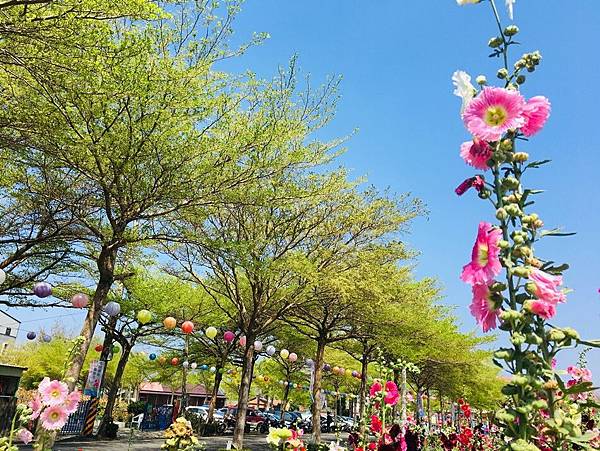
510	284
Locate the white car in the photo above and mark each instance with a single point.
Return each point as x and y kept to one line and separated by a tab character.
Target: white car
201	411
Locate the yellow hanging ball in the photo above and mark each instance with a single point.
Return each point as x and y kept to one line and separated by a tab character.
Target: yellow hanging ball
144	316
284	353
211	332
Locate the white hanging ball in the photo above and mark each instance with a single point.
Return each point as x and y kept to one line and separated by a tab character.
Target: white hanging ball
194	365
186	364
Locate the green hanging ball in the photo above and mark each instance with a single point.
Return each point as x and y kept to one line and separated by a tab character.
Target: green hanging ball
115	349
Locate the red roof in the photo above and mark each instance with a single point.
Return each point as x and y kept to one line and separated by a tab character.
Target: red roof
191	389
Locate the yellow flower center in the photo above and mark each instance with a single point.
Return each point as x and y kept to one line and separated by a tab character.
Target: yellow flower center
482	255
54	416
495	116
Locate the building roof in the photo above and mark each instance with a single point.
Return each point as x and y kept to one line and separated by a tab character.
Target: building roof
191	389
10	316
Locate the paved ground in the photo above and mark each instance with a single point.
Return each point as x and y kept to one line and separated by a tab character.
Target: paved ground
148	441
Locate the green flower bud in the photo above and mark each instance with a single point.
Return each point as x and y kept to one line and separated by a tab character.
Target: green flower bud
497	287
510	183
533	339
502	355
506	145
509	390
484	193
511	30
556	335
503	244
571	333
517	339
495	42
501	214
521	271
539	404
481	80
521	79
502	73
518	239
504	416
520	64
524	409
520	157
513	210
519	380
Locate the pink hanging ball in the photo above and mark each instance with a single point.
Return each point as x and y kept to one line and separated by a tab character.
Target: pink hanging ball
243	341
229	336
80	300
293	357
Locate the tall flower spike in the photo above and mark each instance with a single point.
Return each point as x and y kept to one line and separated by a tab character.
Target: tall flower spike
484	264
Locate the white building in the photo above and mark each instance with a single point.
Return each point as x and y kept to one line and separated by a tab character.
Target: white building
9	327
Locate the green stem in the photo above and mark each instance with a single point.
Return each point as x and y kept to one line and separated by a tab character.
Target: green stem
504	42
12	429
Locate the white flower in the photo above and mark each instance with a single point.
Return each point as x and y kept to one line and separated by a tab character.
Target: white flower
509	5
334	446
464	89
466	2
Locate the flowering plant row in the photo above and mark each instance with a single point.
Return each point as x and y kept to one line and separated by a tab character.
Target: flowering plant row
513	287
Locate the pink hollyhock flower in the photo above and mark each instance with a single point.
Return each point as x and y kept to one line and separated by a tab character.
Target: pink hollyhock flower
25	436
586	375
574	371
542	308
546	287
375	424
54	417
476	153
375	388
493	112
36	405
53	392
391	393
485	264
476	182
536	113
553	363
72	401
482	307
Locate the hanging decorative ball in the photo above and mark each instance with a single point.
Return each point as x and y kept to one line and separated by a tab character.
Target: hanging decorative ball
187	327
266	378
42	289
203	367
284	353
174	361
186	364
99	348
222	370
271	350
46	338
152	356
31	335
229	336
258	346
80	300
211	332
335	369
293	357
144	317
193	365
169	322
112	308
228	371
309	362
116	349
162	360
355	373
243	341
233	372
2	276
213	369
348	373
327	367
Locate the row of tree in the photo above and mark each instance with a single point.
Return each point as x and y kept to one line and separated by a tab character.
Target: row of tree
124	144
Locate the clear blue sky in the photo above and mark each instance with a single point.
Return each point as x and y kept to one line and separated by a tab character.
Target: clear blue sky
397	57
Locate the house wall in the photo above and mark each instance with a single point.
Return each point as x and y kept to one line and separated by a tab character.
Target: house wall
9	327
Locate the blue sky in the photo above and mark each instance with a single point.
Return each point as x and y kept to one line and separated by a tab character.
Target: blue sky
396	58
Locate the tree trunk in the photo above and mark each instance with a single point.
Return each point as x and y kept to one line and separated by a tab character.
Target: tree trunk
286	394
106	267
316	406
215	392
114	389
362	400
428	410
403	394
243	394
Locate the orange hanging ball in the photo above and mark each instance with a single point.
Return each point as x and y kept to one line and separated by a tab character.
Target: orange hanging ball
187	327
169	322
162	360
99	348
174	361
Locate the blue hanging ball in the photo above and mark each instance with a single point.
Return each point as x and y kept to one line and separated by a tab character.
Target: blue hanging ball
152	356
46	338
31	335
203	367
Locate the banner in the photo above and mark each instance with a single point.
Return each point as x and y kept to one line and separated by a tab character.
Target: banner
94	379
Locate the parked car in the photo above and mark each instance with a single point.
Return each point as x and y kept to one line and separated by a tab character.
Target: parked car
201	411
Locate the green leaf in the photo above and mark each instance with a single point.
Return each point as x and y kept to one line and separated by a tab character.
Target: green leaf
555	232
537	164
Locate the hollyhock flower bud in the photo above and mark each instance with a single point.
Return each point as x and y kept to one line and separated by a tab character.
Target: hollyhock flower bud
520	157
476	182
481	80
533	339
551	385
495	42
506	145
571	333
504	416
513	210
532	261
511	30
503	244
498	287
521	271
538	224
502	355
556	335
519	380
501	214
502	73
520	79
517	339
